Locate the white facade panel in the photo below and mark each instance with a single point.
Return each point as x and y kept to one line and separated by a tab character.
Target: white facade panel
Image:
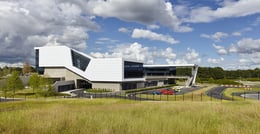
99	70
54	56
109	69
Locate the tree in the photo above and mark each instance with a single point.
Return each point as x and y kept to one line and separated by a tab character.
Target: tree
14	82
211	80
3	87
35	81
42	85
26	68
217	73
6	70
46	87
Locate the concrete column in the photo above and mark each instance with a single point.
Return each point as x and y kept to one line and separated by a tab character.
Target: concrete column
194	74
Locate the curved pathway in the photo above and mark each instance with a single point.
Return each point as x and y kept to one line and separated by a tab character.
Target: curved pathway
3	99
216	92
131	96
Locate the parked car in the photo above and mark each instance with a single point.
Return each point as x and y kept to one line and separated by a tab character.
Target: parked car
164	92
157	93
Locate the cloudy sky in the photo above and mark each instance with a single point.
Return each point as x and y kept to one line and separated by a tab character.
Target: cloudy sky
212	33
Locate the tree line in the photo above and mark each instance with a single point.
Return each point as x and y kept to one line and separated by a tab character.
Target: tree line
25	70
217	73
10	81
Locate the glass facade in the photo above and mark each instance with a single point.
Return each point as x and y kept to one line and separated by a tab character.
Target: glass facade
83	84
160	71
129	85
133	70
40	70
79	61
66	87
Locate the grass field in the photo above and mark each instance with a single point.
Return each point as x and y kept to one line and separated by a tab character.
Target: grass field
116	116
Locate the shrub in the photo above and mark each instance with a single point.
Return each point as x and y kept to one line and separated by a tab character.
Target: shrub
96	90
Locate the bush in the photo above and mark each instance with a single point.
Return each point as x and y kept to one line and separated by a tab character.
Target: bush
252	79
98	90
47	93
221	81
227	82
25	94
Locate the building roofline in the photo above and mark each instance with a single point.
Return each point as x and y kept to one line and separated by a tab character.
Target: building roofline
171	65
62	46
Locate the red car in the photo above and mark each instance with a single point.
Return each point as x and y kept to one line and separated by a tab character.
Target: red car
166	92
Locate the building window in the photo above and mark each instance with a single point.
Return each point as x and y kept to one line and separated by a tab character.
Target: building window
79	61
40	70
160	71
133	70
129	85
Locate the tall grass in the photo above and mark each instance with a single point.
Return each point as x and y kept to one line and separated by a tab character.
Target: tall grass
106	116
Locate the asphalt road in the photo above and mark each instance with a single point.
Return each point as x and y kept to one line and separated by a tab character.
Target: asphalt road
249	94
2	99
132	96
182	91
216	92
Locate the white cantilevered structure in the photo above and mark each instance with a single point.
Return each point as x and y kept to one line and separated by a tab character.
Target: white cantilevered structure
65	64
73	69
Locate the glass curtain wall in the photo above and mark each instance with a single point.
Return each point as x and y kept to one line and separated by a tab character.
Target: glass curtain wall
79	61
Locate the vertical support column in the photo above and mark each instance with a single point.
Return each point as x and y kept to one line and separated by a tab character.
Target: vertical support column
194	74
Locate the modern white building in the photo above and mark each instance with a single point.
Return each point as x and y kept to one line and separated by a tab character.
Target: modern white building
73	69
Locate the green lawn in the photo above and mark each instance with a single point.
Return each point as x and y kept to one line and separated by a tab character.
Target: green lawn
228	92
107	116
29	93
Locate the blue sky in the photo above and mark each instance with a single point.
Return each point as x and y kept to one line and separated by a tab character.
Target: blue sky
207	33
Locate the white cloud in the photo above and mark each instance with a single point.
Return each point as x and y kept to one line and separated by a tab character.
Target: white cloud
133	51
248	50
215	61
220	49
153	26
246	46
29	23
241	31
147	34
236	34
229	9
146	12
106	41
123	30
190	57
18	64
247	61
256	22
216	36
181	10
136	51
